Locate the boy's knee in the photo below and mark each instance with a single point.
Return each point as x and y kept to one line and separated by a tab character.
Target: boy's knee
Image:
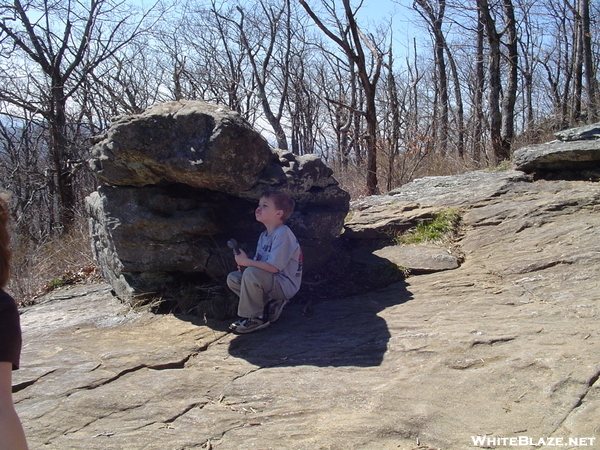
233	276
234	279
256	275
252	273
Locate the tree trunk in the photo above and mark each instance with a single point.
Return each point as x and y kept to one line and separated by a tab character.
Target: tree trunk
61	156
590	70
478	149
510	90
435	20
371	140
494	82
577	70
395	118
460	115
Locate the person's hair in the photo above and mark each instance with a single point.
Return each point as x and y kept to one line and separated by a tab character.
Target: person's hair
4	241
282	201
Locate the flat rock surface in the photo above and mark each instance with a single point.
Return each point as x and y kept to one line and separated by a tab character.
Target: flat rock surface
419	258
505	346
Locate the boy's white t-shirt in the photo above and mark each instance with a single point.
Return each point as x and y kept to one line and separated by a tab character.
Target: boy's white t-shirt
282	250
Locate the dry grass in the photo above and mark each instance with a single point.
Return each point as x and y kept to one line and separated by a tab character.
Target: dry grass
409	167
443	165
56	262
352	179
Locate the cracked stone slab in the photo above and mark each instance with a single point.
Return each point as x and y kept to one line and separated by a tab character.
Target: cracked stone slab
505	345
419	258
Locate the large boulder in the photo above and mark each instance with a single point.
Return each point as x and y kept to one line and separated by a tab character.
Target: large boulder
195	144
181	179
575	154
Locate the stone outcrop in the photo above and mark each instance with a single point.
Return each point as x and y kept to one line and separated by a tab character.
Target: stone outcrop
181	179
505	346
380	219
575	154
419	258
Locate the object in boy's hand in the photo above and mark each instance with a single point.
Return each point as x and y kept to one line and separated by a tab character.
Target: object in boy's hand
232	244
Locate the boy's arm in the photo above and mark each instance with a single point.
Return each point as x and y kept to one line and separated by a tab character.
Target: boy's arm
243	261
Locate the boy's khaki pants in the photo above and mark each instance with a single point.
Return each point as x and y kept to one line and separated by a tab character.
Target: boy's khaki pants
254	287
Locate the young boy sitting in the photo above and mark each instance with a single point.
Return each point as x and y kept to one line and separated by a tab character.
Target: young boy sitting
265	283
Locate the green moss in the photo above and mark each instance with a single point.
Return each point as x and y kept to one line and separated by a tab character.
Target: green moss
504	165
60	282
439	228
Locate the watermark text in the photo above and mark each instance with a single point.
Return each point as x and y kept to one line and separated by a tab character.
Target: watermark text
524	441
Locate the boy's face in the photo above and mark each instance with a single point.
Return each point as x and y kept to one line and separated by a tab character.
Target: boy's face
267	213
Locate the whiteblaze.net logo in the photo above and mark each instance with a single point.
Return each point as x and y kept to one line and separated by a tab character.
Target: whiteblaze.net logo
526	441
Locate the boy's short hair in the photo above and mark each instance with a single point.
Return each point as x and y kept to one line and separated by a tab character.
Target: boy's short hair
282	201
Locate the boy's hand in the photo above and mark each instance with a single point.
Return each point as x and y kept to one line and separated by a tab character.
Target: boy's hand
241	259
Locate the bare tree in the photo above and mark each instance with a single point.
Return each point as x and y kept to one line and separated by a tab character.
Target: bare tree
265	35
127	84
479	117
528	44
501	120
352	46
233	66
433	14
22	163
588	60
304	109
557	60
207	59
61	44
304	101
393	140
338	83
510	90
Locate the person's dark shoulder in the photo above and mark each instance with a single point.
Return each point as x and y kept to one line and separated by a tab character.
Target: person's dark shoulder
7	303
10	330
6	298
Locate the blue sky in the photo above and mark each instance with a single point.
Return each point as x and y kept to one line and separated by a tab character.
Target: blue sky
406	24
400	11
381	9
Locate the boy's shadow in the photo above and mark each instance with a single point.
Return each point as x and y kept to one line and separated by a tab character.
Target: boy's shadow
344	332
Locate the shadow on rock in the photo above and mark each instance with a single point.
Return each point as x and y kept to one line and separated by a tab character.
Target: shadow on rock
344	332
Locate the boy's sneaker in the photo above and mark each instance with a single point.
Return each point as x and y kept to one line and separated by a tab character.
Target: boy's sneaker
249	325
274	308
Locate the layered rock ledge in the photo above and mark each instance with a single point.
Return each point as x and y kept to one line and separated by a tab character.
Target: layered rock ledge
574	154
505	346
180	180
